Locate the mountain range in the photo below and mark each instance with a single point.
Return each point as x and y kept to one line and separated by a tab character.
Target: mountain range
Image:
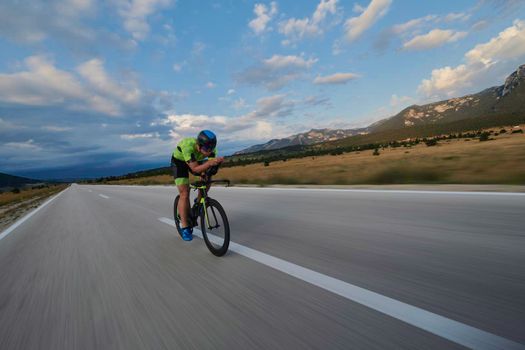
306	138
507	99
7	180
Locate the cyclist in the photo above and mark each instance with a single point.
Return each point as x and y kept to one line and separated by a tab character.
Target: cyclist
190	156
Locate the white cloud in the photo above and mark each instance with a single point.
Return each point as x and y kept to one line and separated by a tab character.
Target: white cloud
411	32
94	73
28	145
276	71
210	85
56	128
7	125
263	16
480	25
509	44
231	91
411	24
297	29
177	67
240	128
452	17
337	78
29	22
316	101
401	101
254	125
272	107
356	26
140	136
43	84
239	104
283	62
135	13
74	8
358	8
433	39
484	64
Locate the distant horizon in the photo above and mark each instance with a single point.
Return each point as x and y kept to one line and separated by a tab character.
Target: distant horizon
114	85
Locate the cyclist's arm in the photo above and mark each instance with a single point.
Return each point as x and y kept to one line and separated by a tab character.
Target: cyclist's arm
197	169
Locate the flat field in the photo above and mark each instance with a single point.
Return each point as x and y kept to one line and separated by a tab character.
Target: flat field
500	160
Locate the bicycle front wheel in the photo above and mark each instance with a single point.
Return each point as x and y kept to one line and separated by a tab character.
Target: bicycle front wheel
215	228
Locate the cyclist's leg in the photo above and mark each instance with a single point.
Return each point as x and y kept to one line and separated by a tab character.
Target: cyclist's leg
181	174
184	204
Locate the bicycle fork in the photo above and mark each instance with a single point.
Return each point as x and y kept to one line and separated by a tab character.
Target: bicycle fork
206	217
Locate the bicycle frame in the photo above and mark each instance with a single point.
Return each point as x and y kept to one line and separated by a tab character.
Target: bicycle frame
202	187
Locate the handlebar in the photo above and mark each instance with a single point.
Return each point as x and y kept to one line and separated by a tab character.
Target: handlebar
207	177
205	183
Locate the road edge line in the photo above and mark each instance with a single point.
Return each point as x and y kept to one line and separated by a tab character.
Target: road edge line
20	221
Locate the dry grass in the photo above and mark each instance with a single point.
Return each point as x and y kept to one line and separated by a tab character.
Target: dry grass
498	161
8	198
15	205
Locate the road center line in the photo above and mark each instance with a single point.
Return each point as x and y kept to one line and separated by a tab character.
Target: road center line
23	219
444	327
103	196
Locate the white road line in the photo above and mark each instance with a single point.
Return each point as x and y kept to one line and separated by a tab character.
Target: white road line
444	327
23	219
103	196
381	191
364	190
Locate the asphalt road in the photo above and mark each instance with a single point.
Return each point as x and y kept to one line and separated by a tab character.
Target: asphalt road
95	268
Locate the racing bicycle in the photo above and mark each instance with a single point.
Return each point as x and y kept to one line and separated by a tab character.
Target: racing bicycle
213	221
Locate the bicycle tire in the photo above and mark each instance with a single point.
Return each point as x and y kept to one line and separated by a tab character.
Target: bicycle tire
220	245
176	216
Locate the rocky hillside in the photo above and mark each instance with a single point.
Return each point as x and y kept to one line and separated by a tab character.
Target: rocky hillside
505	99
492	103
307	138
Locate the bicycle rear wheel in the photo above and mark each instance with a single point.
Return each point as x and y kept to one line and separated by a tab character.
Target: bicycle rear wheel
215	228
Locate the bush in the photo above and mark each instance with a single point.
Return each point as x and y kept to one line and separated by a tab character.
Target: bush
266	163
503	131
376	152
519	131
16	190
484	136
431	142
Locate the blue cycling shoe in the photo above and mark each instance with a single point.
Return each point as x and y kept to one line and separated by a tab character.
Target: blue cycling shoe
187	233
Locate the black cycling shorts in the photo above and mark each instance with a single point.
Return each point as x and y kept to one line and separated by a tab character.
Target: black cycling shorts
181	171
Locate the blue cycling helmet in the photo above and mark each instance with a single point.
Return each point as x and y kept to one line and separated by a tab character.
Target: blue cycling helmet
207	140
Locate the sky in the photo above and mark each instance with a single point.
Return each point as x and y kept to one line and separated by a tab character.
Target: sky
95	88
